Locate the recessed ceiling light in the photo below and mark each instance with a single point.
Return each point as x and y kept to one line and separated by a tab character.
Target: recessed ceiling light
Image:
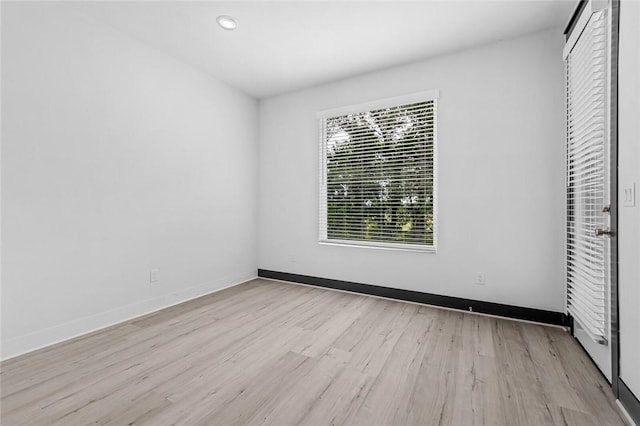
227	22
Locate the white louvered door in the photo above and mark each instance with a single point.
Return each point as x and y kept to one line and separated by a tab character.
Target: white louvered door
588	220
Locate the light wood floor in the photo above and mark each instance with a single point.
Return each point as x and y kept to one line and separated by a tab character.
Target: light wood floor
281	354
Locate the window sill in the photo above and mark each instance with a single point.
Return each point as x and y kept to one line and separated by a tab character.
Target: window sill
380	245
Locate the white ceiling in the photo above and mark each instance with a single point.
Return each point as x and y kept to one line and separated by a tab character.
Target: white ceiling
281	46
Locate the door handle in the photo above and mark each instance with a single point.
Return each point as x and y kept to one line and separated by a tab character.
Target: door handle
605	231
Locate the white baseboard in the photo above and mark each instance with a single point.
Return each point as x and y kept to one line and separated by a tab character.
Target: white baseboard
625	413
49	336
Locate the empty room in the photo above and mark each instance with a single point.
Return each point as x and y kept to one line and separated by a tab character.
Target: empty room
320	213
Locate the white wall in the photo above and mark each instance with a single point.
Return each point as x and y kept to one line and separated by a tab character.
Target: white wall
501	177
629	173
116	159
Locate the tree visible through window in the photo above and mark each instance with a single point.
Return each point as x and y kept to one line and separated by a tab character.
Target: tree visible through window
378	178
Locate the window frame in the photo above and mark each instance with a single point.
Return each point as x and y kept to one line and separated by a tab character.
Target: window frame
424	96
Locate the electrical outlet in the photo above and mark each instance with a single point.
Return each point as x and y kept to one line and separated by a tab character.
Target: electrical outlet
629	195
153	275
481	279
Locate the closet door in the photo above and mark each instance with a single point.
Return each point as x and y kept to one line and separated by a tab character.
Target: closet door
588	200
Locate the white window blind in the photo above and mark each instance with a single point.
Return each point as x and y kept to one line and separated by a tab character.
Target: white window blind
586	72
377	174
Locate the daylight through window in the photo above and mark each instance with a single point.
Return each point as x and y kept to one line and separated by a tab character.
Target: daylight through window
377	174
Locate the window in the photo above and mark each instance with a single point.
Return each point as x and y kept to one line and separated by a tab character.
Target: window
377	173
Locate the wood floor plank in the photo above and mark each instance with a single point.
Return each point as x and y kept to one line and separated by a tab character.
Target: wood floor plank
302	394
387	400
273	353
165	331
339	400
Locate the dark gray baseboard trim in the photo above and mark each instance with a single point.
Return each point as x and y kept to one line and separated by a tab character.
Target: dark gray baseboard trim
509	311
629	401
